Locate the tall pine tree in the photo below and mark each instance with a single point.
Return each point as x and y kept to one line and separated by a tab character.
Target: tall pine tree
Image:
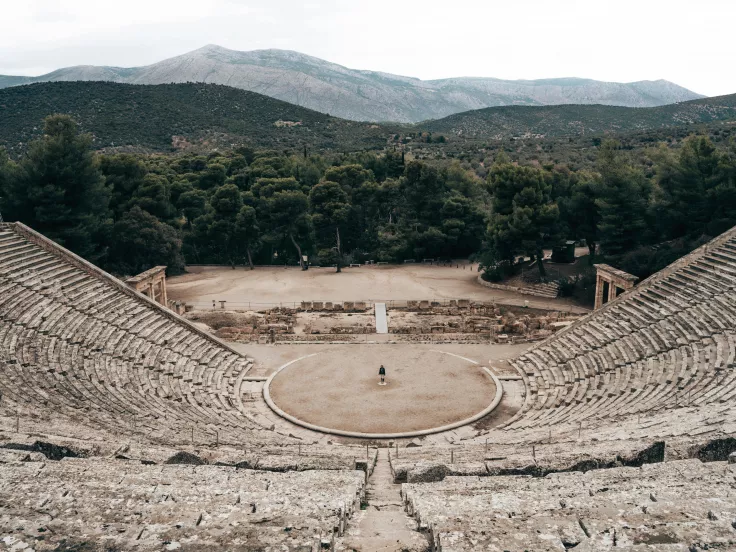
622	195
7	173
524	215
61	192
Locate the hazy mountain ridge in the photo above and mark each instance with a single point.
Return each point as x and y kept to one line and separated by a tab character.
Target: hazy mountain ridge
365	95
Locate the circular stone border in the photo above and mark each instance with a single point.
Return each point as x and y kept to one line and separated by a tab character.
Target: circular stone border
405	434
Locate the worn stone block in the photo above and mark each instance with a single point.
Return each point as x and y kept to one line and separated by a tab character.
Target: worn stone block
427	472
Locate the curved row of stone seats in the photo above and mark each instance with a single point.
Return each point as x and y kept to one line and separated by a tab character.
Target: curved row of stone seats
293	457
81	344
434	463
92	381
275	458
680	505
682	429
682	375
668	342
300	457
61	505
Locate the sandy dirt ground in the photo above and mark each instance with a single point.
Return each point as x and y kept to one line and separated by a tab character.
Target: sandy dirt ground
240	287
425	388
268	358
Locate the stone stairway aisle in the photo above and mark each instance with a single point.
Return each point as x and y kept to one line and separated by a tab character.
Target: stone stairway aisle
381	320
383	526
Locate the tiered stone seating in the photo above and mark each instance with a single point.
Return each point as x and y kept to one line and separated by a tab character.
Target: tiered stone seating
128	388
294	457
433	463
82	345
669	342
680	505
275	458
70	504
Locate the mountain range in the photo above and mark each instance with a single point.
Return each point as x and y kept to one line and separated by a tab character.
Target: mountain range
365	95
170	117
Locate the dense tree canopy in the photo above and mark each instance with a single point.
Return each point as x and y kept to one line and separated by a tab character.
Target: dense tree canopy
7	174
524	216
695	192
621	198
140	241
129	212
60	191
330	209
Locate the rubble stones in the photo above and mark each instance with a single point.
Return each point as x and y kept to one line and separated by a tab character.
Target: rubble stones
427	472
186	458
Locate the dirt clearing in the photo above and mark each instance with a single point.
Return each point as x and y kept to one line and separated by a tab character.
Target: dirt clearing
240	287
425	388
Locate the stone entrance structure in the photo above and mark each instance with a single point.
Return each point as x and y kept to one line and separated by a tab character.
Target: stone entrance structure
151	283
614	279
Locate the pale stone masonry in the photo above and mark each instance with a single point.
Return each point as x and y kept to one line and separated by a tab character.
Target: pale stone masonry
682	505
616	280
667	343
152	284
75	502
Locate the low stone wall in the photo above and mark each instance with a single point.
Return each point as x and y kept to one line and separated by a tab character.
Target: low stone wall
516	289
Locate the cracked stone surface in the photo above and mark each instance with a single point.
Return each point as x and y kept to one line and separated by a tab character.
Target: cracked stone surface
383	526
679	505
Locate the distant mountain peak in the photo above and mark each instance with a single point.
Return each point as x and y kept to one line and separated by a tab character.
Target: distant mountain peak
364	94
211	47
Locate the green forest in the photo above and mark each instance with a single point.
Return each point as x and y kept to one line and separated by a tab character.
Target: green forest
176	117
169	118
245	206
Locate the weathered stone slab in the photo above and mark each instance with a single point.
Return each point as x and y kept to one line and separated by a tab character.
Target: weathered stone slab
427	472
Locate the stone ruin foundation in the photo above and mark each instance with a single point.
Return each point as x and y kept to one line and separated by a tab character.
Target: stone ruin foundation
412	321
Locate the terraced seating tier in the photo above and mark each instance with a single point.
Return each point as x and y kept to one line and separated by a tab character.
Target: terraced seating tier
682	505
74	502
666	343
81	345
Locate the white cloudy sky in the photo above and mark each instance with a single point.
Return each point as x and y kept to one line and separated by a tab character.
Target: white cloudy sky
692	43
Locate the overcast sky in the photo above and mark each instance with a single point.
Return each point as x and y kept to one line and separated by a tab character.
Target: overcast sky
692	43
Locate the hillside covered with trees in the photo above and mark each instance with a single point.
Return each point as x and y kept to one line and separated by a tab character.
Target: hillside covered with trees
175	117
245	206
569	120
202	117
